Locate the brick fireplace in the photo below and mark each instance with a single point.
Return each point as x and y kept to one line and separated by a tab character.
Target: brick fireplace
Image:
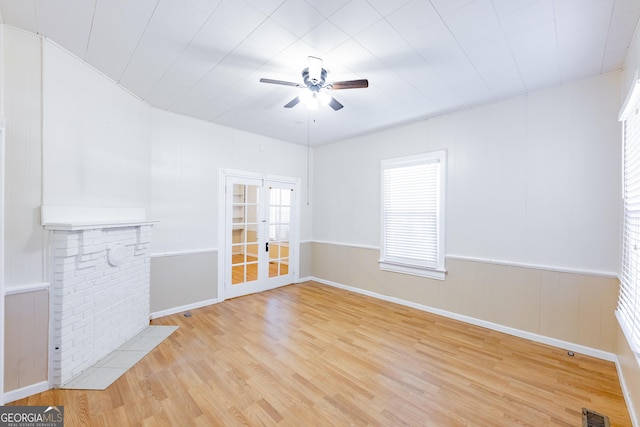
99	290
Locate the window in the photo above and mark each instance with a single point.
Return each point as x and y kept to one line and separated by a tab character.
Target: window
628	311
413	190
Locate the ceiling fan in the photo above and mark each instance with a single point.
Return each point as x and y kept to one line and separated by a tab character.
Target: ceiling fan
316	87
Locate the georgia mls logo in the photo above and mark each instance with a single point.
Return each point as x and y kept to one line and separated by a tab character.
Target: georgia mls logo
55	411
31	416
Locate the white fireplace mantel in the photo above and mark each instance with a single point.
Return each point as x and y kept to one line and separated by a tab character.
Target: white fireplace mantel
100	283
75	218
77	226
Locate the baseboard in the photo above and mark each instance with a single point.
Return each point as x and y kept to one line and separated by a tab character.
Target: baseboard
204	303
182	308
627	395
30	390
576	348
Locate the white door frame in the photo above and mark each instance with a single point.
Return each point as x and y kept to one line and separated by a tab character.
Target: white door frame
222	245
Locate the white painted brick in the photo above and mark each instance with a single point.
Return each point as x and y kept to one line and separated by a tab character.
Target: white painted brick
68	306
91	276
97	307
63	236
66	330
96	245
83	257
126	240
81	265
65	252
61	263
91	234
72	242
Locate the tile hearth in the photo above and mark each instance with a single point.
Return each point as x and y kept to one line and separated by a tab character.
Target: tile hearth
109	369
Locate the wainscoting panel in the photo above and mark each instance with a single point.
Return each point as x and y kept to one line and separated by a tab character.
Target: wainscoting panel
571	307
305	259
183	279
26	339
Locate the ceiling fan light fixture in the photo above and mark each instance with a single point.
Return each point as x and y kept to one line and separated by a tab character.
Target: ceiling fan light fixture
324	98
305	96
313	102
315	88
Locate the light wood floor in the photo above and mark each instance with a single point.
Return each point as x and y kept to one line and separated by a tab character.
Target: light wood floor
312	355
238	276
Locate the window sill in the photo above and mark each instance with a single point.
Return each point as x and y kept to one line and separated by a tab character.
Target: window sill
413	270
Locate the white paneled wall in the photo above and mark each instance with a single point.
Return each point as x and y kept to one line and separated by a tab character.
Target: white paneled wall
26	323
631	67
186	155
96	145
23	167
531	180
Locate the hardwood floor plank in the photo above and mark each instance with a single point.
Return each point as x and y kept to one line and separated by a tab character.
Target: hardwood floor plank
309	354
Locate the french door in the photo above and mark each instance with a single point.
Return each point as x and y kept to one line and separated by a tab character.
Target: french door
260	244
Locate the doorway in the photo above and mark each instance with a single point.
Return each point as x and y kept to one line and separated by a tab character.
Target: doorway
259	244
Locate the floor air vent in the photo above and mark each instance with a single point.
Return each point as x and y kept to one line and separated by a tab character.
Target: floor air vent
593	419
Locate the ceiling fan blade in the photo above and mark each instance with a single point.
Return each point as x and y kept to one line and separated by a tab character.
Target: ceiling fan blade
293	102
281	82
335	104
350	84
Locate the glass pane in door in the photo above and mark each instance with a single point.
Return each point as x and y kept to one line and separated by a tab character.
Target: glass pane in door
244	239
279	223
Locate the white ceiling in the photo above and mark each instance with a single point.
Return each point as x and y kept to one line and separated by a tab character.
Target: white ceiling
423	58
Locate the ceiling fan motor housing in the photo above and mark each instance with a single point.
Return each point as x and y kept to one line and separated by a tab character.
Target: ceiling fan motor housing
314	83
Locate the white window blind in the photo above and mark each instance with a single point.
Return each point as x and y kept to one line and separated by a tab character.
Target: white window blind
413	215
628	311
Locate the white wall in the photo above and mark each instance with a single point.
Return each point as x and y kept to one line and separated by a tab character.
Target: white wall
105	147
186	156
631	67
26	326
531	180
23	173
96	143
